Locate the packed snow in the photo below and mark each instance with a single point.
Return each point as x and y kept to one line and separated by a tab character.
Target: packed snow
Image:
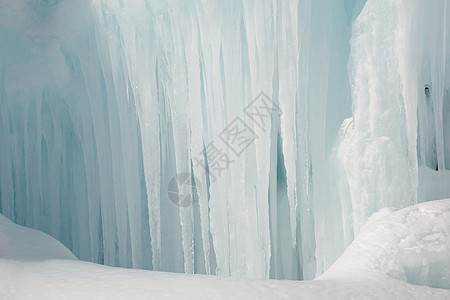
412	245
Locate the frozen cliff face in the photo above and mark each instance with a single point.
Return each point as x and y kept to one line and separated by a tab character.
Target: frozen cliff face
70	155
297	120
399	130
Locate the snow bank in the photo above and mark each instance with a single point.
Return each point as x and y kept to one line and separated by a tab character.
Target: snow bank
412	244
24	244
35	266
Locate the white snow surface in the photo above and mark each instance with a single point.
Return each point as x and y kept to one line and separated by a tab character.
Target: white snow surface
35	266
412	244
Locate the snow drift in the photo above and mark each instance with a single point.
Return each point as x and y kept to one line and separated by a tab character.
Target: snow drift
412	244
416	239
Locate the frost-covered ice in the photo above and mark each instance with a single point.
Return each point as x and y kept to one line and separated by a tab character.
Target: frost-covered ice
414	242
102	102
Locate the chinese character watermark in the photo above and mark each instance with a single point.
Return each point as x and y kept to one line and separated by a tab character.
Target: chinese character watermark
238	136
214	160
261	109
181	189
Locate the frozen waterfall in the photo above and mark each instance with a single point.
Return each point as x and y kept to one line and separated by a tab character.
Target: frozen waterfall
288	123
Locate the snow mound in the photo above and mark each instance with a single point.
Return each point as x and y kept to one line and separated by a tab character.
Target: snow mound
412	244
35	266
24	244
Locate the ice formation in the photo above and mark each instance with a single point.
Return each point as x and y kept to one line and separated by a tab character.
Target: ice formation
103	102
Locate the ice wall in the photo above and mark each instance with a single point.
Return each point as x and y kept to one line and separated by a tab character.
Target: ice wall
103	102
400	96
70	162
